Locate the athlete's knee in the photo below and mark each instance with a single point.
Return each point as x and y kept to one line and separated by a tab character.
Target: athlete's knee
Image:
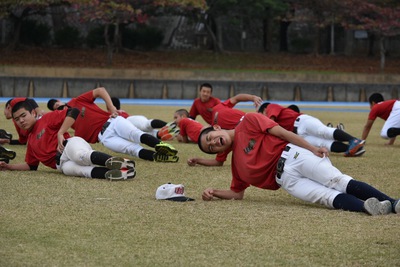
384	134
340	182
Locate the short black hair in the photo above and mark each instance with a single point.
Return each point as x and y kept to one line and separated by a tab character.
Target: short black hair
22	104
294	108
9	102
263	107
182	112
206	85
116	102
376	97
203	132
50	103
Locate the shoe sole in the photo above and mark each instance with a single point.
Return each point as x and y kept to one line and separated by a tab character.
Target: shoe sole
355	149
165	158
117	163
165	150
5	135
5	153
375	207
120	175
359	153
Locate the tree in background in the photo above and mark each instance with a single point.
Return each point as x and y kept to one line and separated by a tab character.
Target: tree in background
114	13
241	12
18	11
320	14
378	17
108	13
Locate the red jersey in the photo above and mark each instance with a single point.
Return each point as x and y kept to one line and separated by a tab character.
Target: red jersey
255	153
190	128
285	117
22	134
226	116
42	139
381	110
204	109
91	117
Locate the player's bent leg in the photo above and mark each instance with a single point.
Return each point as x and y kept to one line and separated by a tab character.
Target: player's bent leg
71	168
140	122
77	150
393	132
307	190
120	145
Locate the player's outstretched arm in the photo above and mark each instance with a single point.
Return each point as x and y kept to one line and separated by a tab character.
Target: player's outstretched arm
367	129
246	97
14	167
209	194
298	141
204	162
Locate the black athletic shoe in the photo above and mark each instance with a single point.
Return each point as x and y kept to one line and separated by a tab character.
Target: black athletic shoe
5	135
6	160
7	153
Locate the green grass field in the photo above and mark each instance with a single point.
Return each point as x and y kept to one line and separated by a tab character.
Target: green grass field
48	219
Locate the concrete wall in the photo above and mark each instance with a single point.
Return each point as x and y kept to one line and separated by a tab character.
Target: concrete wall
157	84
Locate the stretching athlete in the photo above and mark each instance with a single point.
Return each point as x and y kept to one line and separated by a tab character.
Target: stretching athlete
113	131
267	156
50	144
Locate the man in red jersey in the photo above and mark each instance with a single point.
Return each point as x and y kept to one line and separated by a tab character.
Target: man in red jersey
50	144
203	105
113	131
22	134
313	130
389	111
189	129
267	156
227	117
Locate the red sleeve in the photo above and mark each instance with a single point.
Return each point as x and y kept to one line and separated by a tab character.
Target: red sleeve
193	110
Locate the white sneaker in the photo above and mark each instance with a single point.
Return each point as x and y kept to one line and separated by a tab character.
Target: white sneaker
375	207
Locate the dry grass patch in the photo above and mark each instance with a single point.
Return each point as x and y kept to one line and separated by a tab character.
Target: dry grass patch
48	219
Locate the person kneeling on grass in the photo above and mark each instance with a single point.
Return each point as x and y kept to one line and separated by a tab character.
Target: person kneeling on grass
50	144
267	156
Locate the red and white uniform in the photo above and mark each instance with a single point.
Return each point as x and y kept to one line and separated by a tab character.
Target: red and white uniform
204	109
389	111
308	127
91	117
120	135
42	147
305	176
226	116
42	139
190	128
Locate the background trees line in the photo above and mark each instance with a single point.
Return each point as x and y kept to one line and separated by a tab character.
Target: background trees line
123	22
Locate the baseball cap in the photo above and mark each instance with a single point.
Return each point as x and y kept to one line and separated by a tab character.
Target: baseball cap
173	192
